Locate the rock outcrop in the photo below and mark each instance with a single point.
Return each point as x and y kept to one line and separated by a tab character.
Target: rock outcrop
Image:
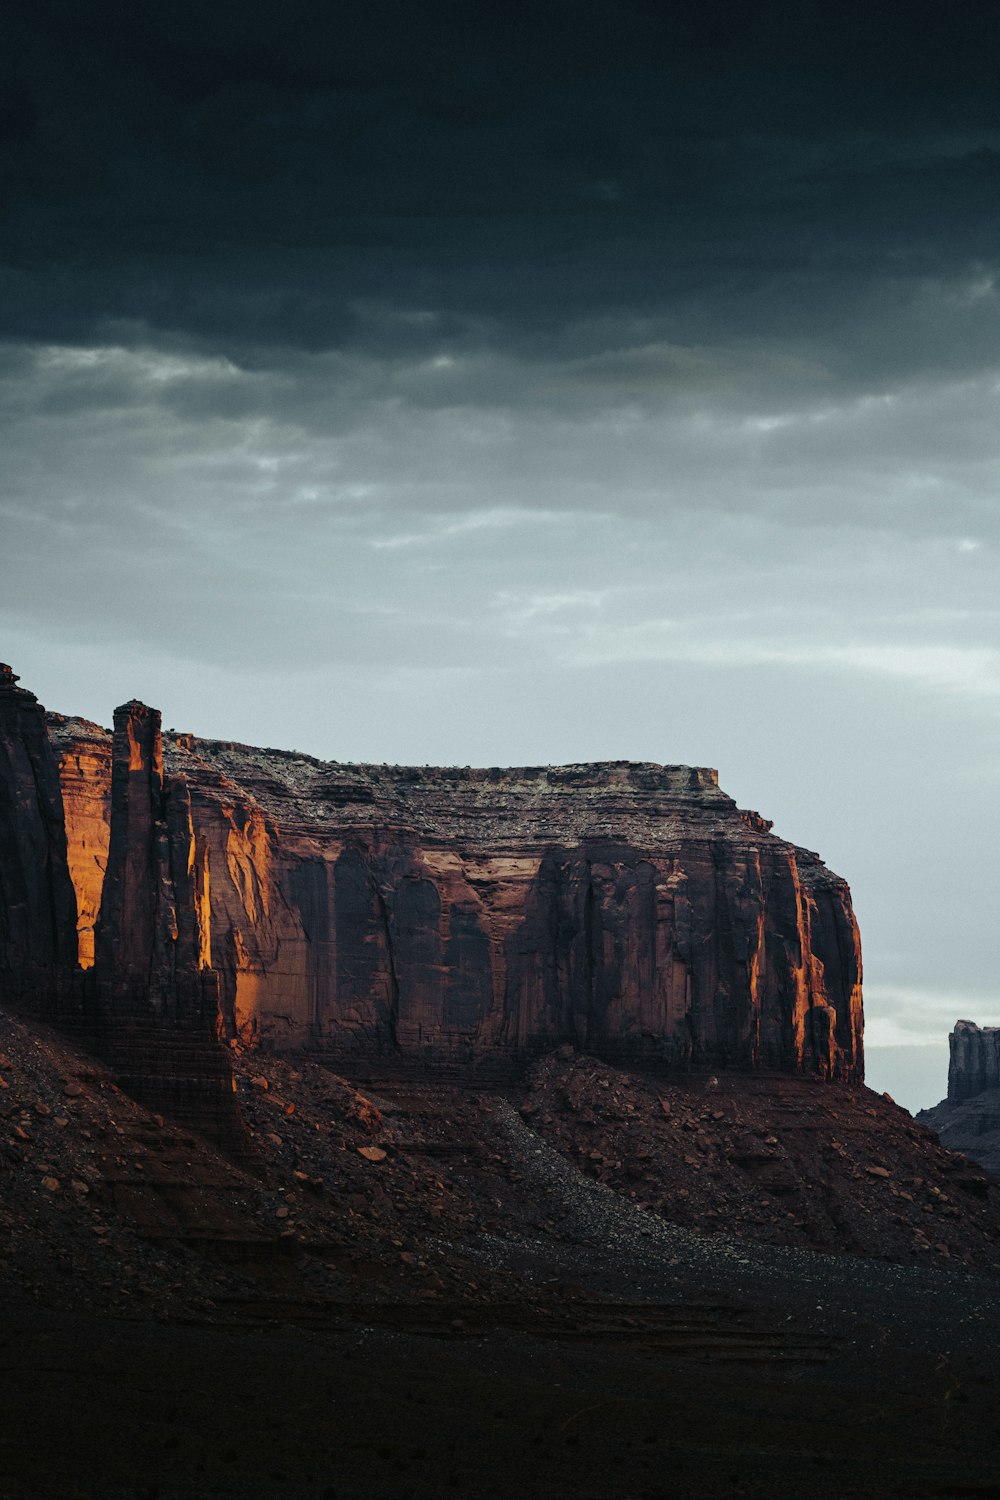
968	1120
973	1060
157	995
477	917
151	1004
37	901
455	917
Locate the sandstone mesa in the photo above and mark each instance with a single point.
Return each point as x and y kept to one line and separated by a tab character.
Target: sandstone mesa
462	918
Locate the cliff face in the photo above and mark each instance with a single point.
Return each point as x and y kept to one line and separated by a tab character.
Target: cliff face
479	915
85	775
968	1120
37	902
973	1061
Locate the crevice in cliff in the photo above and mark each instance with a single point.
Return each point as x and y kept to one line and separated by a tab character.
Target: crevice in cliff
392	1020
584	1025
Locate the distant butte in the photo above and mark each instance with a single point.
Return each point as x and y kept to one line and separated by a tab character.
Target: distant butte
968	1120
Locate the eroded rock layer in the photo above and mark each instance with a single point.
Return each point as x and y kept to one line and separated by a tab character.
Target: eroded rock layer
479	916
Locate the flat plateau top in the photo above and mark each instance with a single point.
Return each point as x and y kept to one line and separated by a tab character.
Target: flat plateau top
521	809
496	809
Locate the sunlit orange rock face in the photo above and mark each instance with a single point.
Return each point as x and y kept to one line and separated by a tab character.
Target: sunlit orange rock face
85	774
478	916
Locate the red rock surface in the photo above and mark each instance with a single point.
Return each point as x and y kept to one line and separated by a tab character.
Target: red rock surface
85	775
479	916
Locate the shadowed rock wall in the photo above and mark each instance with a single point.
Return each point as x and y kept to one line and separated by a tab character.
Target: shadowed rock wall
37	900
968	1120
475	916
973	1061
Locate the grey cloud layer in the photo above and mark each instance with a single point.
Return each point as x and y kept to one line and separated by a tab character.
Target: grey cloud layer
623	258
768	173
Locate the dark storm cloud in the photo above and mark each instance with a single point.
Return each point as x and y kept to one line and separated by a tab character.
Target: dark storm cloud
292	177
411	260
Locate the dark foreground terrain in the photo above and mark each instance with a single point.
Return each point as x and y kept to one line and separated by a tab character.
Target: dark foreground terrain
594	1285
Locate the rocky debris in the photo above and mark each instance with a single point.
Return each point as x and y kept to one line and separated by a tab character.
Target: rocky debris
778	1160
971	1126
410	1193
478	917
108	1206
99	1199
396	1169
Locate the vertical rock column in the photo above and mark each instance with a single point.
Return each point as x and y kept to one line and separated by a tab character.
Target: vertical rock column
37	902
84	757
137	880
157	994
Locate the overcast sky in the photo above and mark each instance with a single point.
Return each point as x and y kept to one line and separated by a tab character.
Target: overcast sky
475	383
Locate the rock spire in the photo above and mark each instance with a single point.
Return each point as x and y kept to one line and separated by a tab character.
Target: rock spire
157	994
